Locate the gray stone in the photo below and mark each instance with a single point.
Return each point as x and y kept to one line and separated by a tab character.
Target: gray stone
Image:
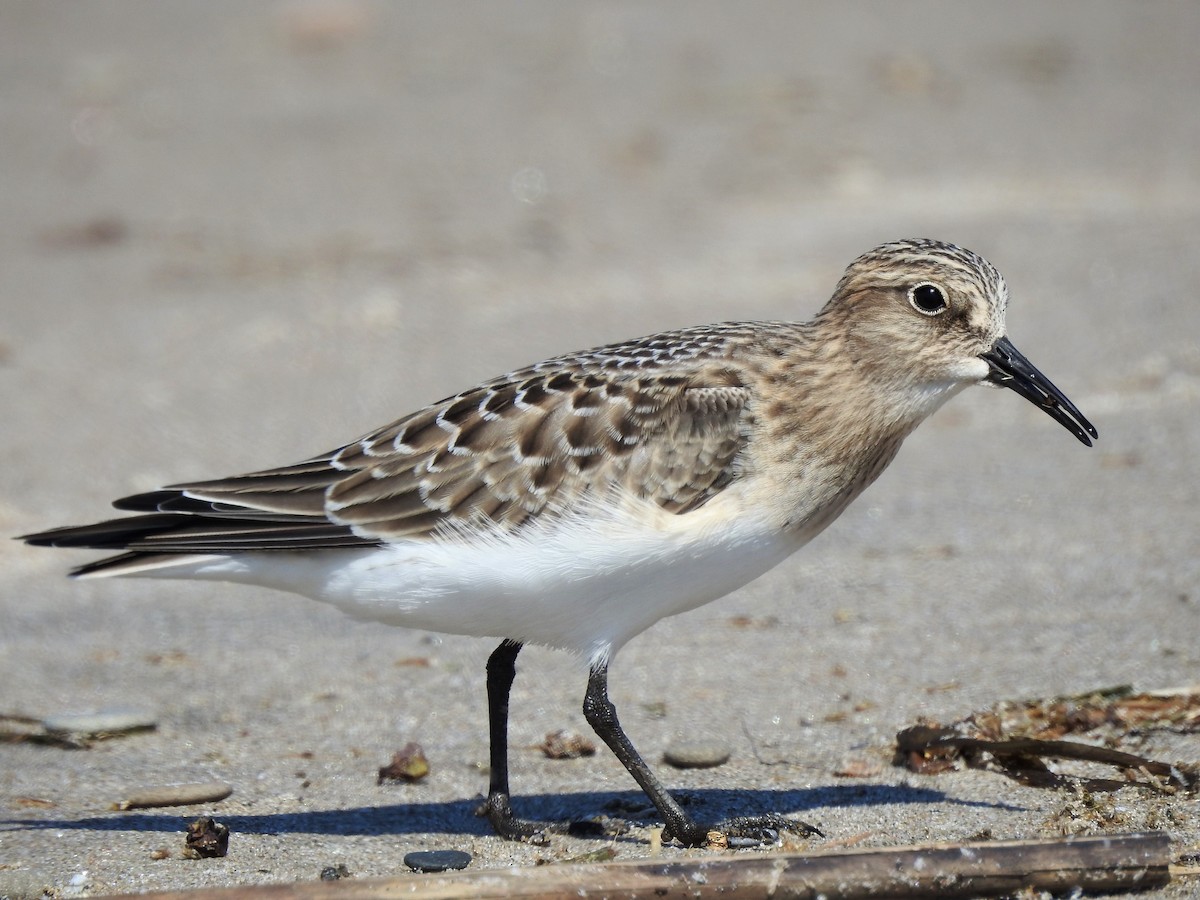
437	860
696	754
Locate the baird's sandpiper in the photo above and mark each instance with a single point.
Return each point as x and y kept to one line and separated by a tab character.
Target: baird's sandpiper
576	502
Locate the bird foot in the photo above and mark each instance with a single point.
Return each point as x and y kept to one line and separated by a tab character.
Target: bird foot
498	811
740	832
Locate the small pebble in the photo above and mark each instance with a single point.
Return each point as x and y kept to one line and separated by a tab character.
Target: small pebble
696	755
79	885
103	721
655	709
437	860
566	745
333	873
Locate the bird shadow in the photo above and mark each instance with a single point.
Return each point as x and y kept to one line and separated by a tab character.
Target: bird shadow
458	817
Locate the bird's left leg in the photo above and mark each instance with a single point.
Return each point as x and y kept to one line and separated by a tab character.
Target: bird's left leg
501	670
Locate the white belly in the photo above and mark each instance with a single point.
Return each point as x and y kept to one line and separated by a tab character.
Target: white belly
586	583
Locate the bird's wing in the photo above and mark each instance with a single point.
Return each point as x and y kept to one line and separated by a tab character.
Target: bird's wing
663	418
500	454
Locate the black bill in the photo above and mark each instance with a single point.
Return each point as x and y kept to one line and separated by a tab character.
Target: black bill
1010	369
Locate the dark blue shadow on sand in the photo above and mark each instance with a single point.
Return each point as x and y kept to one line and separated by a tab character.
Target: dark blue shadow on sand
458	817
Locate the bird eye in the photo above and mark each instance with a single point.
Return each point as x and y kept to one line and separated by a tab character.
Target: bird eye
927	299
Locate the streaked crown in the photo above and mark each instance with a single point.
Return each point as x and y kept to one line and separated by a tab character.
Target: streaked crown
926	305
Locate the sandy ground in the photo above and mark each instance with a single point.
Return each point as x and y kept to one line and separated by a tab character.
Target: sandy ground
238	234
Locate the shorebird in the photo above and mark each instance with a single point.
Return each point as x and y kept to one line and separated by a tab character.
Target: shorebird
576	502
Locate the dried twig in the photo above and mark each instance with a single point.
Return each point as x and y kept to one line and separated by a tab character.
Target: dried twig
930	750
1014	737
1093	864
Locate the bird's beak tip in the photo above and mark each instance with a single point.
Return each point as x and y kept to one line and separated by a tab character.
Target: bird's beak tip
1008	367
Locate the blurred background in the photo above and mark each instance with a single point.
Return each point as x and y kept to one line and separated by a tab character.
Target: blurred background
235	235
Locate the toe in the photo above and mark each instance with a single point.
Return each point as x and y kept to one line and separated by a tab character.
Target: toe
765	830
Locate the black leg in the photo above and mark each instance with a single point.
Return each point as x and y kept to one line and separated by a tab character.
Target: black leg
501	670
602	715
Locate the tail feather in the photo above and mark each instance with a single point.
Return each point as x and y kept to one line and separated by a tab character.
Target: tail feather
134	563
182	533
174	527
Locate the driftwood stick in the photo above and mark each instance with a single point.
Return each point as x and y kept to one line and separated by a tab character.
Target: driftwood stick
1118	863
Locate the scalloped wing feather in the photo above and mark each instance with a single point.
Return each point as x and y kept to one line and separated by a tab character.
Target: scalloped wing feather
552	442
627	417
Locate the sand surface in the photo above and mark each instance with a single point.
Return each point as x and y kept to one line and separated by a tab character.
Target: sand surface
235	235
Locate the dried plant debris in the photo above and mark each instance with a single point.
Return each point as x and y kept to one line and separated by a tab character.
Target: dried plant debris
1097	812
566	745
603	855
28	802
408	764
175	795
1014	738
1109	713
206	839
858	767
